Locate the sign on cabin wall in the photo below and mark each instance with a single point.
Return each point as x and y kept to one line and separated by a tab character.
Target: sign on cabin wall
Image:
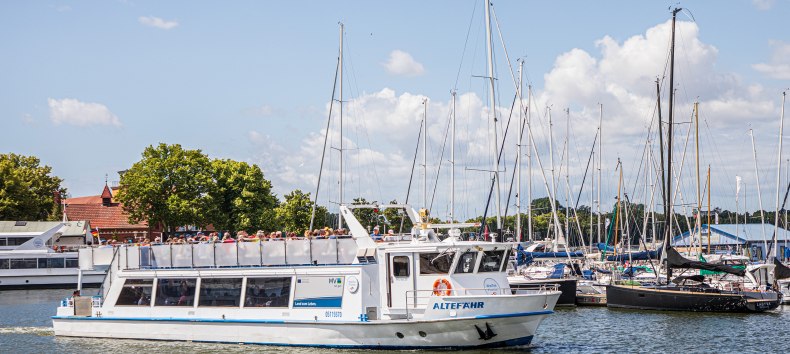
319	291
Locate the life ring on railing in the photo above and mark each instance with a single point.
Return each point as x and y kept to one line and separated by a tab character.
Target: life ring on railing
442	287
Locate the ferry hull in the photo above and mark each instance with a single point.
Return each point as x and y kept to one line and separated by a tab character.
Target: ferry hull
65	281
506	330
676	299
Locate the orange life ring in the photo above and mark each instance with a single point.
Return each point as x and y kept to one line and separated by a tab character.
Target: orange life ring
442	287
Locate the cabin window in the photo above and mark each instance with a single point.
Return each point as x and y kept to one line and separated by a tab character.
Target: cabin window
400	266
492	261
25	263
72	262
466	263
506	259
136	292
175	292
3	264
436	263
268	292
16	241
3	241
56	262
220	292
42	263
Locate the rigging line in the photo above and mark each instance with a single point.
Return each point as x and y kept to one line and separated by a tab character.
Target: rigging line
466	41
441	160
323	152
366	131
411	176
493	179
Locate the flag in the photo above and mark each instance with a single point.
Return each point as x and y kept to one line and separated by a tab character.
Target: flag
737	185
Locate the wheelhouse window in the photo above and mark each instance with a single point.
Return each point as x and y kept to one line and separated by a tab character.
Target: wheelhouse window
136	292
24	263
220	292
492	261
17	241
400	266
175	292
72	263
436	263
268	292
466	263
508	253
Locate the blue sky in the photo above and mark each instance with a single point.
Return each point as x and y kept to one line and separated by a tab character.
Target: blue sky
87	85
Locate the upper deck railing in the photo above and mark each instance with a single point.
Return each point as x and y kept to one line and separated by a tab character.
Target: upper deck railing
280	252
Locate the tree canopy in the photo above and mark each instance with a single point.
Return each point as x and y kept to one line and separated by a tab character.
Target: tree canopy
242	197
28	191
295	211
168	186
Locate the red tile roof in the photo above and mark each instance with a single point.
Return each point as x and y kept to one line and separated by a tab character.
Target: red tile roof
93	199
102	217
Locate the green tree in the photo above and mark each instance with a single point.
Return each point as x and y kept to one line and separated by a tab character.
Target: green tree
28	191
395	217
168	186
295	211
242	197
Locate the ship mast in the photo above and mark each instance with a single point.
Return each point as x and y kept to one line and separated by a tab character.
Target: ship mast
492	100
668	209
340	214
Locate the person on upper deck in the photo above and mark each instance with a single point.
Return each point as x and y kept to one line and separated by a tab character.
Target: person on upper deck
376	235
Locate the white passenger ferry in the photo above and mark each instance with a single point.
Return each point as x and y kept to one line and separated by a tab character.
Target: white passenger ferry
407	292
42	254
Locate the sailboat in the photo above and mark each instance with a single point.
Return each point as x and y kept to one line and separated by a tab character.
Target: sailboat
688	293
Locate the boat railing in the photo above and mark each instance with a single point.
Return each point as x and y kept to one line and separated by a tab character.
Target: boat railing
283	252
96	301
417	300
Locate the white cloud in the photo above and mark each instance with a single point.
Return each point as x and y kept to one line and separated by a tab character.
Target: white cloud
157	22
381	129
763	4
74	112
402	63
779	65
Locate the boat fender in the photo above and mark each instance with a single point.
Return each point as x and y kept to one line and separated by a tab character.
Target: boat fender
442	287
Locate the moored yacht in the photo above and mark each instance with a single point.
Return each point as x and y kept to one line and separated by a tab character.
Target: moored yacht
410	291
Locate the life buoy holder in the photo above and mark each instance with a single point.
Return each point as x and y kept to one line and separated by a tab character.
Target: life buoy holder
442	287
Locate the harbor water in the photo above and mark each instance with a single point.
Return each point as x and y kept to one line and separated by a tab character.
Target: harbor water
25	327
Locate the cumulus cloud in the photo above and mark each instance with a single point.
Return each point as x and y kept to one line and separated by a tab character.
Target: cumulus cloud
763	4
74	112
156	22
779	65
381	129
403	64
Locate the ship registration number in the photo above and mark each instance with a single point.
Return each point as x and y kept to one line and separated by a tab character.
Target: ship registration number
333	314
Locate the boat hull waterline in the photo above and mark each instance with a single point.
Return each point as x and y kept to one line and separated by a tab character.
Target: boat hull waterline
678	299
515	329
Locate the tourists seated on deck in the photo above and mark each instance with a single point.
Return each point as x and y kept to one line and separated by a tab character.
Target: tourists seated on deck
226	238
307	234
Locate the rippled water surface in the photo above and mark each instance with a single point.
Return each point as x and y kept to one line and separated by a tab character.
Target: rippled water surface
25	327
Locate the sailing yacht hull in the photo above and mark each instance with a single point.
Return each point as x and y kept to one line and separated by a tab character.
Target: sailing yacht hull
693	299
566	286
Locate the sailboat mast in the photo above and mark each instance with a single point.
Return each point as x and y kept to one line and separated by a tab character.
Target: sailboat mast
698	221
568	177
492	99
778	174
709	193
339	214
553	185
759	197
425	153
452	166
600	175
669	210
518	153
529	161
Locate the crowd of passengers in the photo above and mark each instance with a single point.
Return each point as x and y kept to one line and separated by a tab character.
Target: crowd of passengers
243	236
